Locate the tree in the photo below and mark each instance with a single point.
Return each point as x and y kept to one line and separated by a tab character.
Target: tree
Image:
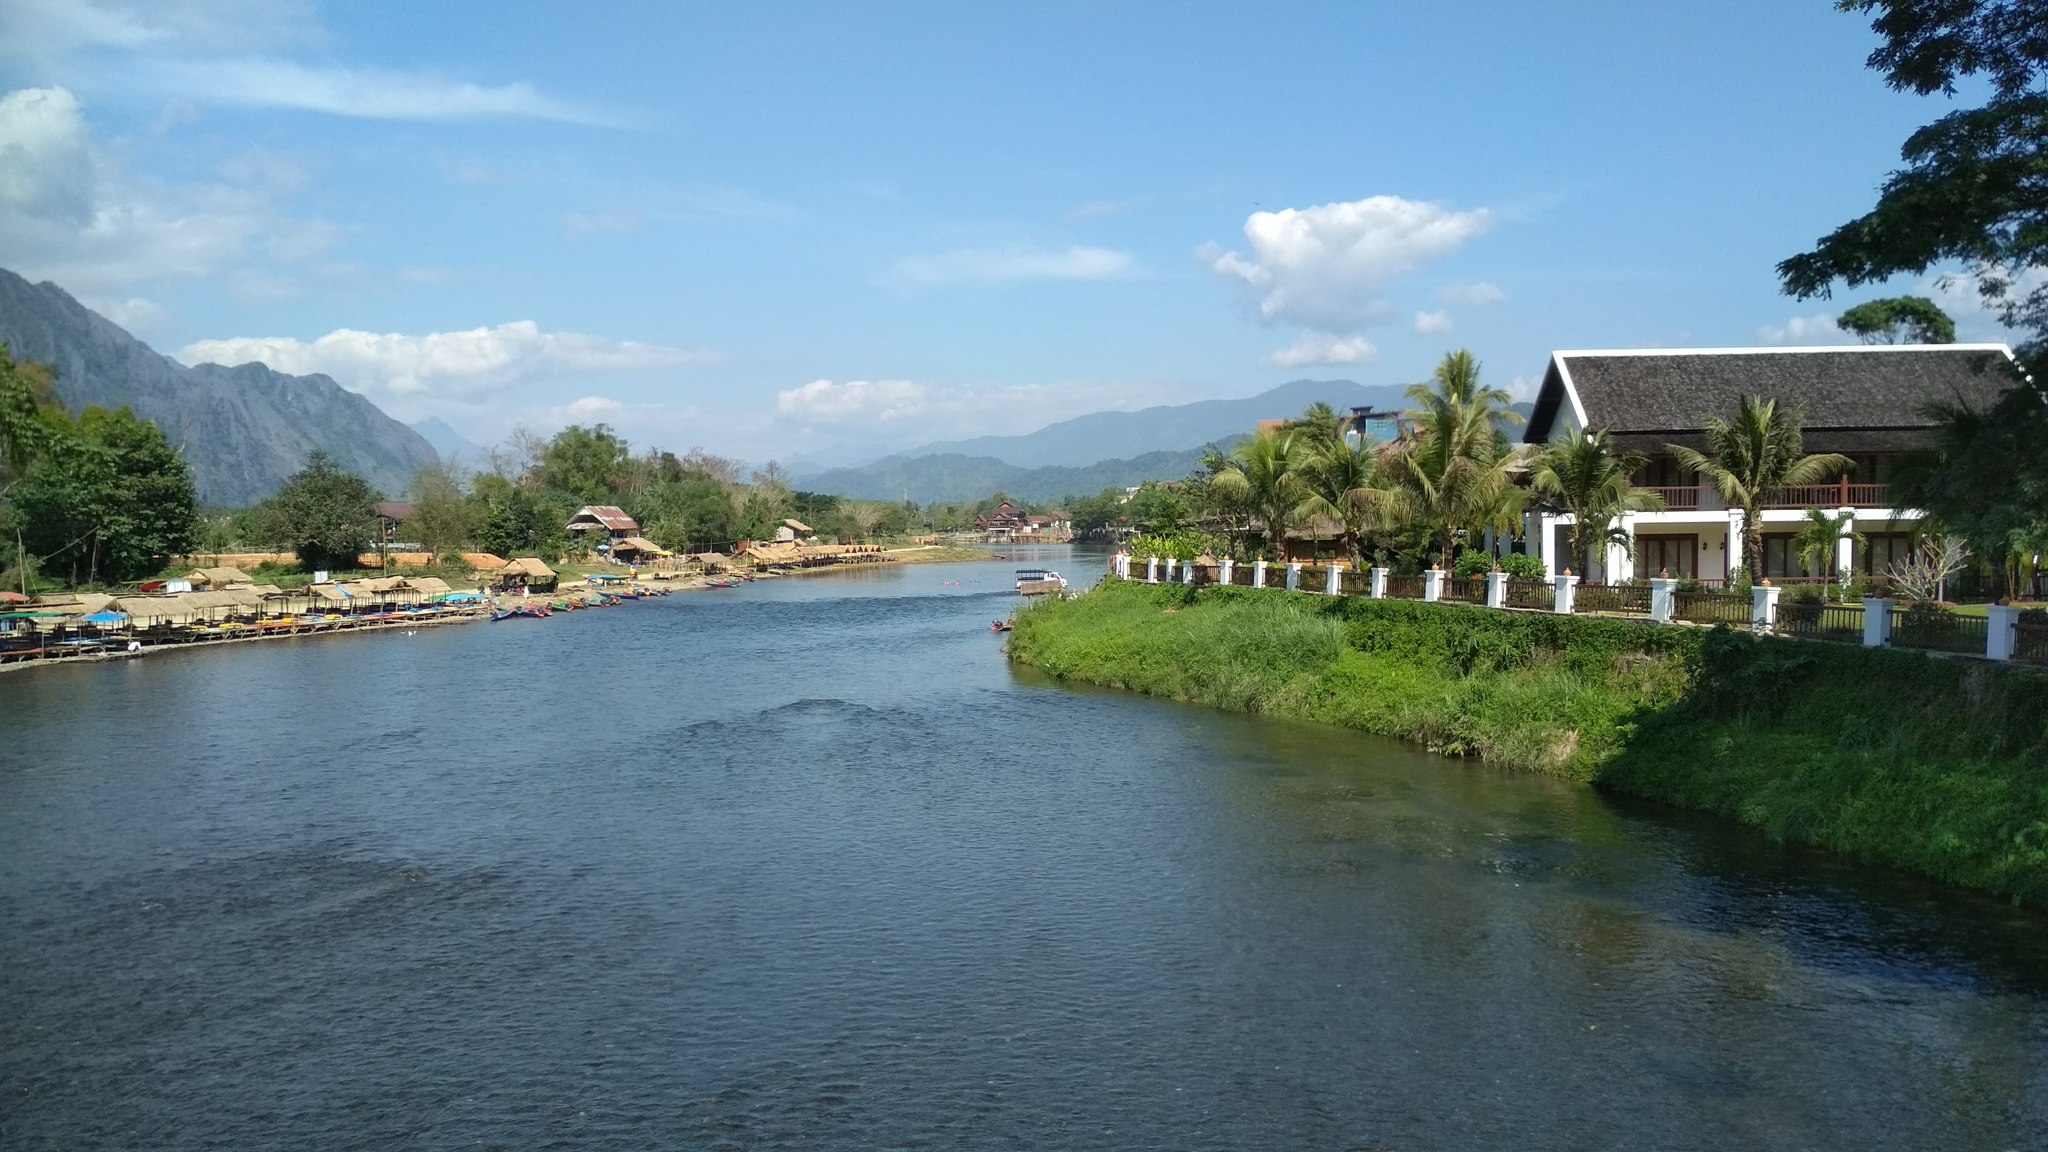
1583	475
1342	482
1819	540
1748	459
589	465
1450	473
441	516
1899	320
1455	383
1261	473
1924	574
27	405
111	499
323	514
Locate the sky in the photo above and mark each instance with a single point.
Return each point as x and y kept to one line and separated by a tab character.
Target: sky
821	231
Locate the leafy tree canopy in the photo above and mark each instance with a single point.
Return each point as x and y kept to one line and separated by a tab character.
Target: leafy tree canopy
110	499
1900	320
323	514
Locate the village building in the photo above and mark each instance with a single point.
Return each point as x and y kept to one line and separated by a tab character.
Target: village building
1005	519
525	572
389	515
791	530
1869	403
612	522
637	550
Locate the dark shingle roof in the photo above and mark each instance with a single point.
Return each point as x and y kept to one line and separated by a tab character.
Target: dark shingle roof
1867	399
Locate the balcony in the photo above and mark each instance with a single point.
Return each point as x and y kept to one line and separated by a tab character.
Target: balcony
1840	494
1677	498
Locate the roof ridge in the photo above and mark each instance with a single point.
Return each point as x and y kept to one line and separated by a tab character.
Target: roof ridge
1801	349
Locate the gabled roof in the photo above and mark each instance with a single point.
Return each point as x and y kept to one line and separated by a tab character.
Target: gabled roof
797	526
1858	398
610	516
392	509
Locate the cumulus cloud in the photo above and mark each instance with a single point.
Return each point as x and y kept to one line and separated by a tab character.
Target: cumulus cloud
443	363
1805	330
1315	348
999	264
1327	267
69	213
1478	293
1432	323
855	401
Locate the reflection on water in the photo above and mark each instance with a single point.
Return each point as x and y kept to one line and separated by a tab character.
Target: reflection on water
807	864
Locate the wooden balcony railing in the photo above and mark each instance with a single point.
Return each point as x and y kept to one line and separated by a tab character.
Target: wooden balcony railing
1677	498
1840	494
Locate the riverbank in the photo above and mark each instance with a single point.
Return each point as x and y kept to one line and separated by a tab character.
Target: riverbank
1931	764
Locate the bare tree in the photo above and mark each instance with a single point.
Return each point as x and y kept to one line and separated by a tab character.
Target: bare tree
1924	575
866	516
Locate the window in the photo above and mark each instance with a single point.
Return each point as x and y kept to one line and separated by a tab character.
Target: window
1678	555
1781	557
1880	550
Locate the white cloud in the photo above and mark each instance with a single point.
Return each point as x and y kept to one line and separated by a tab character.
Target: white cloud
590	408
1805	330
229	52
1524	387
458	363
68	213
1432	323
1100	209
1478	293
1961	295
824	402
134	313
998	264
1327	267
581	224
1315	348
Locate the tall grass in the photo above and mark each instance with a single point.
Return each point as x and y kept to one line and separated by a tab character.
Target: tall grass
1932	764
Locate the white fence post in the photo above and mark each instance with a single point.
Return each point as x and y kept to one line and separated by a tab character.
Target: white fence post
1567	590
1187	571
2001	635
1152	570
1433	584
1877	621
1496	589
1170	562
1333	581
1293	577
1763	607
1258	573
1378	589
1663	599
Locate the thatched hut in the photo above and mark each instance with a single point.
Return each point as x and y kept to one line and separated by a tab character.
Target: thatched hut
525	572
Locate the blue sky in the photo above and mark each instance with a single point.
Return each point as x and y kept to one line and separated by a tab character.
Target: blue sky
821	230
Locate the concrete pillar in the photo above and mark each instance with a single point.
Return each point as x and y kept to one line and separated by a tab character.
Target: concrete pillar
1735	545
1152	570
1294	577
1258	573
1229	570
1546	544
1845	551
1621	564
1763	607
1496	589
2001	636
1333	583
1433	583
1187	572
1663	599
1170	562
1378	587
1567	586
1877	621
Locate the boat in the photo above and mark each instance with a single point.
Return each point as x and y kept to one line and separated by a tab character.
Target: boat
999	626
1039	581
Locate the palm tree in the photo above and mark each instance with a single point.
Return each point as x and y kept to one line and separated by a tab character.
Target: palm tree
1819	535
1756	454
1456	382
1262	473
1586	477
1320	426
1450	472
1342	482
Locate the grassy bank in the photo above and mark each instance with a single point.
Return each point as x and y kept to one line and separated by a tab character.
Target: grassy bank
1936	765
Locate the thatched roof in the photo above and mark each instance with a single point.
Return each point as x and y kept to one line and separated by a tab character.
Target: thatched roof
74	603
330	593
526	566
218	577
429	585
709	558
483	561
639	544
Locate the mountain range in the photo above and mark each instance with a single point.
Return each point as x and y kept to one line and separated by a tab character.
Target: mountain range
244	429
1084	455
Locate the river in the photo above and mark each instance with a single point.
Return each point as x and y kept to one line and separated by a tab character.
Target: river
808	864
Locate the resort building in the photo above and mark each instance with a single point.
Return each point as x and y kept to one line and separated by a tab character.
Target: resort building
1005	519
790	531
1868	403
605	518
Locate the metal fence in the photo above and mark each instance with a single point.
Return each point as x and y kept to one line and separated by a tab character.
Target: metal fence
1613	599
2031	641
1818	621
1465	589
1241	575
1404	587
1938	630
1711	607
1536	595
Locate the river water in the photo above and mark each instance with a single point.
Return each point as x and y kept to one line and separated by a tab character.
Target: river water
808	864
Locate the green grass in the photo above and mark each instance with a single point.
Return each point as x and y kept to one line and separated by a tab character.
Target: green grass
1933	764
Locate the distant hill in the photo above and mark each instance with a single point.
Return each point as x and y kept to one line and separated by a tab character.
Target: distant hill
952	476
1166	428
243	429
456	450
